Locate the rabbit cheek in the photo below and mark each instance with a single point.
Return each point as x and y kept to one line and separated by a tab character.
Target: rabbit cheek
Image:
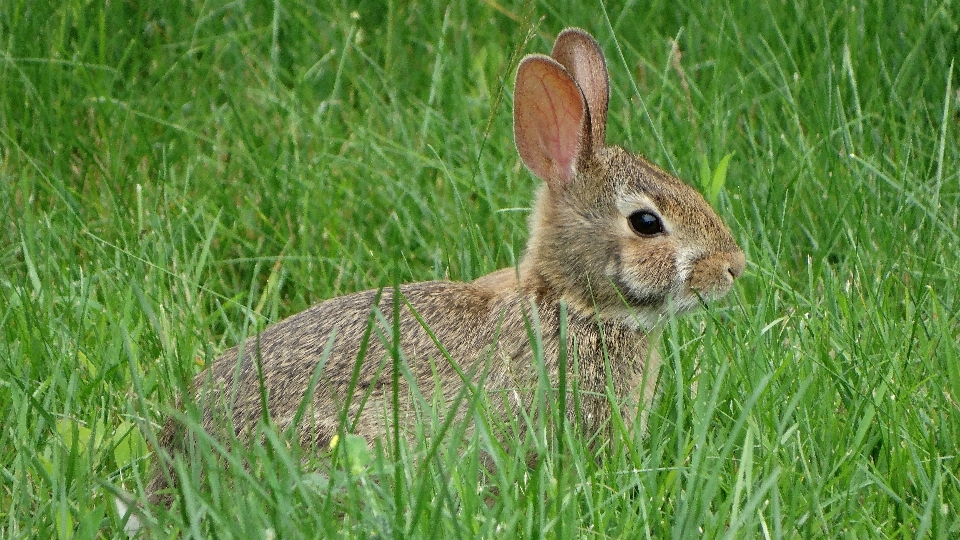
647	271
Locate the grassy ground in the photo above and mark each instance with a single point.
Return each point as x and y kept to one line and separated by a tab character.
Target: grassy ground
172	176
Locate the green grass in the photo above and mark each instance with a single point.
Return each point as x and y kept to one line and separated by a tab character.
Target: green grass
174	176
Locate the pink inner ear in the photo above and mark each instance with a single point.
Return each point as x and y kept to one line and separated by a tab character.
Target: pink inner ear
582	57
549	120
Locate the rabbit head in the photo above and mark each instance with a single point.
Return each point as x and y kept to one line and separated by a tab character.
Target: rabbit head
611	233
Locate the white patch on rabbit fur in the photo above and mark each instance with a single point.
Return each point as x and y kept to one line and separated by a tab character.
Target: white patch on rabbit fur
629	203
645	319
685	259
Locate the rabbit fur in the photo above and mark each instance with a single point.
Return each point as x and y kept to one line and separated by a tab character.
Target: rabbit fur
617	240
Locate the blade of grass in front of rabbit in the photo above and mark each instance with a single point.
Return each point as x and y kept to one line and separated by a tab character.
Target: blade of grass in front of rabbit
531	320
355	374
466	378
395	356
312	384
561	414
466	388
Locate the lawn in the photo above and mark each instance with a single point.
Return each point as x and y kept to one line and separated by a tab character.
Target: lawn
174	177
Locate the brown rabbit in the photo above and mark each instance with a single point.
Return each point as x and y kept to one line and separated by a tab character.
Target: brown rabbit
618	241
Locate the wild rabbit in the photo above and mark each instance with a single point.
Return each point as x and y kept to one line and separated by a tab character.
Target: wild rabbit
618	241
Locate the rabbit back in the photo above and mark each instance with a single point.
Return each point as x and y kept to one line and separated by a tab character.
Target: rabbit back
486	339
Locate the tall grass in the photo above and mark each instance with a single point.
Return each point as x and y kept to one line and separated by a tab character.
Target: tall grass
175	176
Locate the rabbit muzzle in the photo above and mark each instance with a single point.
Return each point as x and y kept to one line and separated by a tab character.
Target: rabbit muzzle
713	276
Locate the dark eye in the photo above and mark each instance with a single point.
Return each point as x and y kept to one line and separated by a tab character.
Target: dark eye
645	223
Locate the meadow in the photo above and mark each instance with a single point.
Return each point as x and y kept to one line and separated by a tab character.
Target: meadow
175	176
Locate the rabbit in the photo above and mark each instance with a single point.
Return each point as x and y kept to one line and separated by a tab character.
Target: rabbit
620	242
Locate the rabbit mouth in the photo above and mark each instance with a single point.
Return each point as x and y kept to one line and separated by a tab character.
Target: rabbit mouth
657	304
640	299
677	299
710	288
710	294
646	310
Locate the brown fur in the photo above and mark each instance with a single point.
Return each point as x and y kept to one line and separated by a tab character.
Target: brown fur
617	285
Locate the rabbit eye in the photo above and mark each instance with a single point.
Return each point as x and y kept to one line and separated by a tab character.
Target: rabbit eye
645	223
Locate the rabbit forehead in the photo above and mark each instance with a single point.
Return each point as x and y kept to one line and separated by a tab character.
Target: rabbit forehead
640	182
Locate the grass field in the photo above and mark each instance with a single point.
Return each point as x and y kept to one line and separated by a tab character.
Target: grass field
174	176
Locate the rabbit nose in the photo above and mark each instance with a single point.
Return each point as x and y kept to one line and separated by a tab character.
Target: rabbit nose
738	263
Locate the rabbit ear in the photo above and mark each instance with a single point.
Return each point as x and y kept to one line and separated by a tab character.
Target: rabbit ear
582	57
551	122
